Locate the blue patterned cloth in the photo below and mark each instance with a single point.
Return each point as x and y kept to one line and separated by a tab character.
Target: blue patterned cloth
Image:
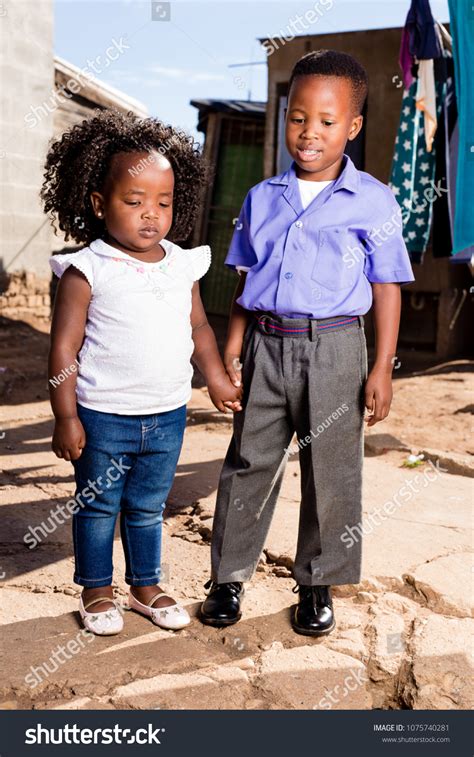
413	171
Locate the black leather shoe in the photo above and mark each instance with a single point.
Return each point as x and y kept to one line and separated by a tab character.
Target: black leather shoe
313	615
222	606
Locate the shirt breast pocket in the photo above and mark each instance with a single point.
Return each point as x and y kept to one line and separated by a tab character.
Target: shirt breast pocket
339	258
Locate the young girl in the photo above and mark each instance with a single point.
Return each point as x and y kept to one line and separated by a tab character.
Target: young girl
127	319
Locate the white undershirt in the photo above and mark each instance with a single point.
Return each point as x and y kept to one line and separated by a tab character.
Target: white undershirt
308	191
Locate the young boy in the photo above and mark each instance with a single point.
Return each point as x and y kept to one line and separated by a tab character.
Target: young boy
312	258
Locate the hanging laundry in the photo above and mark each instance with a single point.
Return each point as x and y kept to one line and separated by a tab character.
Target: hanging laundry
465	256
443	208
462	30
419	39
413	170
424	42
426	100
453	174
406	59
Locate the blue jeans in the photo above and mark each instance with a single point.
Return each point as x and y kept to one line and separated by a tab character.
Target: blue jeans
127	467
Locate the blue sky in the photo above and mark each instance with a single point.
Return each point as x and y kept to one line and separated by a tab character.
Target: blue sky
166	63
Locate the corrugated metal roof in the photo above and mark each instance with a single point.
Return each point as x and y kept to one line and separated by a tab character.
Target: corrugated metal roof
282	37
250	107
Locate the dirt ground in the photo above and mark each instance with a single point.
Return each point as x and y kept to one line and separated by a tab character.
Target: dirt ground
402	634
431	408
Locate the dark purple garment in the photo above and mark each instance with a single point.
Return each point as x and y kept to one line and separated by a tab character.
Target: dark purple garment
423	41
405	59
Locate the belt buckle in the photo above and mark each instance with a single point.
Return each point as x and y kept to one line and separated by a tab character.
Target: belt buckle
262	322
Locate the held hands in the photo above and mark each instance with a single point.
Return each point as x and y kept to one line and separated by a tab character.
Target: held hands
224	394
69	438
233	367
378	395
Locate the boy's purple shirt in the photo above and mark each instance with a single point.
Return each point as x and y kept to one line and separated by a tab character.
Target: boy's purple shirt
318	262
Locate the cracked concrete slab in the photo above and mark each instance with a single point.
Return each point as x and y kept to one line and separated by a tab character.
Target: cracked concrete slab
295	677
260	663
202	691
442	583
441	677
435	520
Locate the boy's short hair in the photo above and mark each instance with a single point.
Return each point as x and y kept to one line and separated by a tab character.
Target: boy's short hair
334	63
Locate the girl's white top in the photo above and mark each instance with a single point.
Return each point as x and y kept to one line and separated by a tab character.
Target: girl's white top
136	355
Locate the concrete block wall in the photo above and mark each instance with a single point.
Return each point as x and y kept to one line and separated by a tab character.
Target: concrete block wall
24	294
27	80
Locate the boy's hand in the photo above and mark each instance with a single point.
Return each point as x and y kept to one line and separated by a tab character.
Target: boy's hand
224	394
69	438
233	367
378	395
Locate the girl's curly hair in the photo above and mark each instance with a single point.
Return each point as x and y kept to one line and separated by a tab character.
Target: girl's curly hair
78	162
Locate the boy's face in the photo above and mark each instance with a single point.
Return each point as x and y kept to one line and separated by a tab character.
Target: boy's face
319	120
137	200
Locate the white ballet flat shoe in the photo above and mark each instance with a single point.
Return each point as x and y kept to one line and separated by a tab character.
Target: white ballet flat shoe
105	623
172	618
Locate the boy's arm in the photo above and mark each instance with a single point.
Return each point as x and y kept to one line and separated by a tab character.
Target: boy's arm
207	358
378	388
235	334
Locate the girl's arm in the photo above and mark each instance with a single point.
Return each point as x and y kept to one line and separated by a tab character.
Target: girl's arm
207	358
378	388
235	334
67	334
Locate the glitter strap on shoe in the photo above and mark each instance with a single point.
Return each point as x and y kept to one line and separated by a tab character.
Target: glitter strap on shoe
103	623
172	617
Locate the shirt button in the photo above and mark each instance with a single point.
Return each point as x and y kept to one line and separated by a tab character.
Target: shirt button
288	275
299	224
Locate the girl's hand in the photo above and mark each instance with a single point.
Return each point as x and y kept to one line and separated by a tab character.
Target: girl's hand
224	394
69	438
378	395
233	367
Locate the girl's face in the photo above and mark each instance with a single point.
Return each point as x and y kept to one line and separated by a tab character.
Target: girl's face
319	121
137	201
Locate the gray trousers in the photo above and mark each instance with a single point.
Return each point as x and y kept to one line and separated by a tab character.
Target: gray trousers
311	386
